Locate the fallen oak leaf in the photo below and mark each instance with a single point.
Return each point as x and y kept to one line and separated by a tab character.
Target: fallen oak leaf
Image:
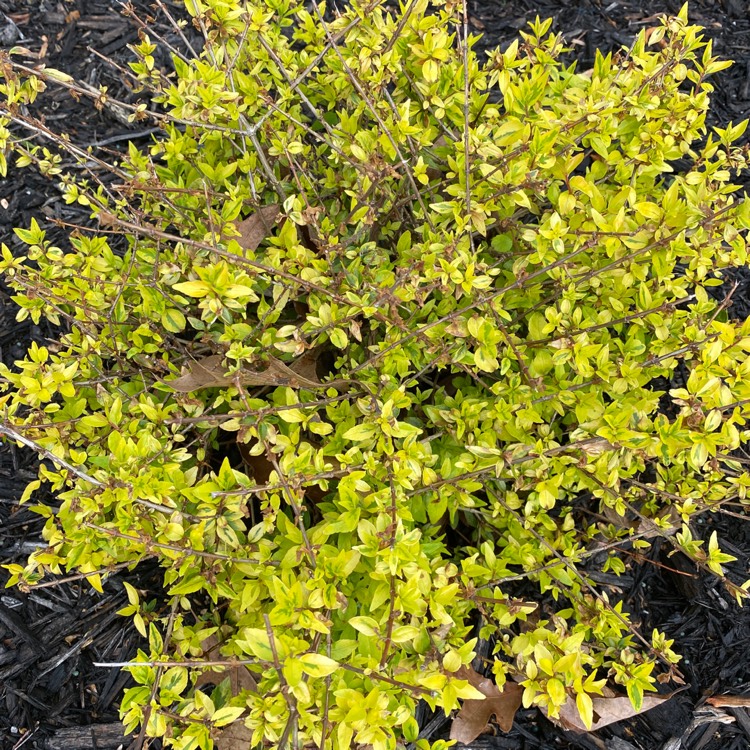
277	373
204	373
239	678
236	736
256	227
475	715
606	711
210	372
306	364
239	675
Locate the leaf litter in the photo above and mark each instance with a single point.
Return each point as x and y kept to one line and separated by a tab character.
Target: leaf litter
210	372
256	227
607	710
475	715
235	736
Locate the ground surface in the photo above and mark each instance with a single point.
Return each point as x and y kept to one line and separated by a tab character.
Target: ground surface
52	695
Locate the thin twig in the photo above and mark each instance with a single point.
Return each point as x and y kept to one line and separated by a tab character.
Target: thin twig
467	152
174	548
8	431
83	576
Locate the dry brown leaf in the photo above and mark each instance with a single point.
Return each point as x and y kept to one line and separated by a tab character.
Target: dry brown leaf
277	373
210	372
260	468
307	364
255	228
239	674
204	373
606	711
239	678
474	715
236	736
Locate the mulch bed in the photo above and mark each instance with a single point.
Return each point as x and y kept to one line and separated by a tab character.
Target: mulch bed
51	694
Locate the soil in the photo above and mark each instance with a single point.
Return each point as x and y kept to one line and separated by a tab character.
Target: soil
52	694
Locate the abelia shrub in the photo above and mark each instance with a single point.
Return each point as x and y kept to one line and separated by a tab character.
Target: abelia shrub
374	349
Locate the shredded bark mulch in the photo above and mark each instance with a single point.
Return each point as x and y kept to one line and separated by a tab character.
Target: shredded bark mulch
52	697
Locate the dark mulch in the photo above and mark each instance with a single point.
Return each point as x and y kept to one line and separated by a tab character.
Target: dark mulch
51	694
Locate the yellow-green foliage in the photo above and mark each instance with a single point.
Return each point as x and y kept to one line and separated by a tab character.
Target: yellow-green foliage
492	262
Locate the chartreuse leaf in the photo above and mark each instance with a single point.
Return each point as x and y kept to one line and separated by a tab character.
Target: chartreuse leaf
227	715
317	665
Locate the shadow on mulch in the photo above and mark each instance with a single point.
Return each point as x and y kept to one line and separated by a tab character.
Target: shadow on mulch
53	697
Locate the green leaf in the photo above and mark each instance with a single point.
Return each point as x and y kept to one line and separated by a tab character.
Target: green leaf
360	432
189	585
174	680
556	691
338	338
635	694
585	707
404	633
256	642
452	661
485	361
227	715
318	665
193	288
173	321
365	625
132	593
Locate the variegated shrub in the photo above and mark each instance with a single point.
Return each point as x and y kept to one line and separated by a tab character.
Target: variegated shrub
371	349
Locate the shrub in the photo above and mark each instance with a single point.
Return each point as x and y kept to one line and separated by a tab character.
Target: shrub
371	351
